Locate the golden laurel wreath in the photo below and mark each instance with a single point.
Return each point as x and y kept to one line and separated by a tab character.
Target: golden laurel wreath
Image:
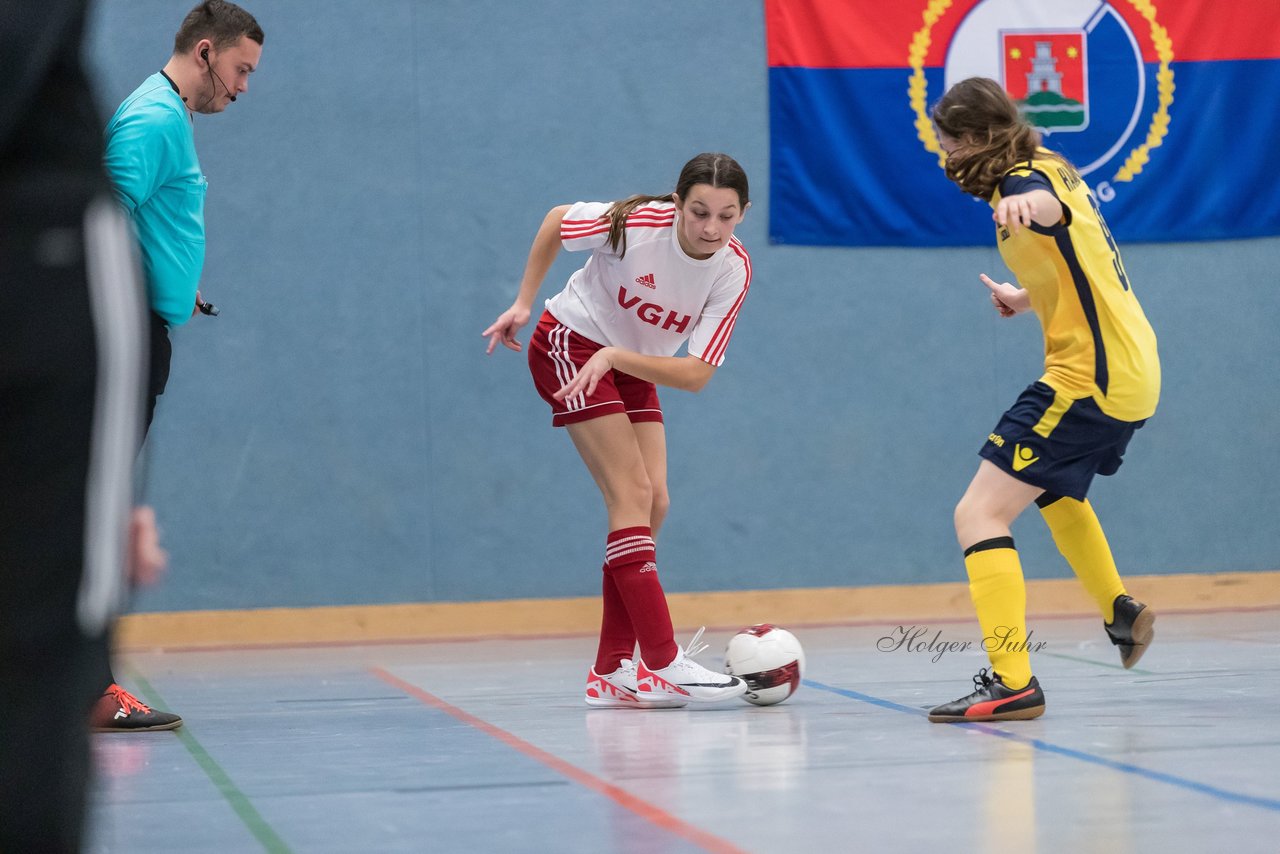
917	87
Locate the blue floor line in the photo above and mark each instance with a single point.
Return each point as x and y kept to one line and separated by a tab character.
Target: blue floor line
1047	747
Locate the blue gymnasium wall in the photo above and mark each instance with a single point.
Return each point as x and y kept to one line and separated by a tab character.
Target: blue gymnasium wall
337	435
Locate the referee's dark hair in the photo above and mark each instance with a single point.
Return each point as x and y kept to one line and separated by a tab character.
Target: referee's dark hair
218	21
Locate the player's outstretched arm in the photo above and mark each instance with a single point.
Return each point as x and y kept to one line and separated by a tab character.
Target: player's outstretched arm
546	245
1008	299
1038	206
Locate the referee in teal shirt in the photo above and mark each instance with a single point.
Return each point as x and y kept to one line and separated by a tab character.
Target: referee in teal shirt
151	159
151	155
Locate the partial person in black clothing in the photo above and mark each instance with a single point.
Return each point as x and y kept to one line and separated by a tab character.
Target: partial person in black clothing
72	367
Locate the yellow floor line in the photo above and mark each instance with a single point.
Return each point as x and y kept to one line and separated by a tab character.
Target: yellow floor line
540	617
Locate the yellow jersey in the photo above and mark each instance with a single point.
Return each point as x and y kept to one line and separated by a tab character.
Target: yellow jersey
1097	341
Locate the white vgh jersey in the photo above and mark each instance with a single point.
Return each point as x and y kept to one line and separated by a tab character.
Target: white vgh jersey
655	298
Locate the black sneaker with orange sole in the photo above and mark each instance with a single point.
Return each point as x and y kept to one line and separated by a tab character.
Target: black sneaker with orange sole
119	711
992	702
1131	629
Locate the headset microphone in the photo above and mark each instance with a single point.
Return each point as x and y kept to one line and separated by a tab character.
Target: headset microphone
204	54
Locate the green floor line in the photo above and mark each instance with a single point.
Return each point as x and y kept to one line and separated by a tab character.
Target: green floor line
237	799
1096	663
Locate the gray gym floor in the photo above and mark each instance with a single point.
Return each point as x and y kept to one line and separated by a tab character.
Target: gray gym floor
486	746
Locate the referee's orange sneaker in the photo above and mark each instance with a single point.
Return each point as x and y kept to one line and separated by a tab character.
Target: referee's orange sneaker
119	711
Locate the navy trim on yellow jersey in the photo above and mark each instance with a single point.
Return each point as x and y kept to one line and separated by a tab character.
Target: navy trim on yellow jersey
1011	185
1085	292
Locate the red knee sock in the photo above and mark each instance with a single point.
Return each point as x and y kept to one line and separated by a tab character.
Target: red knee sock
630	563
617	637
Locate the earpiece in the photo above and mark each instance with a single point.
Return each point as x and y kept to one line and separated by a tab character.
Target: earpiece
204	54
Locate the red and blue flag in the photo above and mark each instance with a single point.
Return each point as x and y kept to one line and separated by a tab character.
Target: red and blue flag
1167	107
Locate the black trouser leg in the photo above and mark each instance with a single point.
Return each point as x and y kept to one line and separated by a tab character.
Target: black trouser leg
47	662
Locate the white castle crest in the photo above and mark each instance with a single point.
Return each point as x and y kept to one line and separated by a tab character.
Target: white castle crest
1044	75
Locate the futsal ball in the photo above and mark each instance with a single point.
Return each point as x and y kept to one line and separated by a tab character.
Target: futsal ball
769	659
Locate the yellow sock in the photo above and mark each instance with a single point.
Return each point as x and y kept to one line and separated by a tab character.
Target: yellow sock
1079	537
1000	598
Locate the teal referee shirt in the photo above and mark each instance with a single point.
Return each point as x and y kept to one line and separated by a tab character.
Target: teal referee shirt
151	157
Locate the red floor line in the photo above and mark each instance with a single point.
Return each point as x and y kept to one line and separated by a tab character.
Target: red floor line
642	808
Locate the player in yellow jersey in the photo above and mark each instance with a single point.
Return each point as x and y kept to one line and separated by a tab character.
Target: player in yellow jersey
1101	382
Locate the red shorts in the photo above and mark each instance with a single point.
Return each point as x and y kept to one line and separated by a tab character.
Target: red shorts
555	354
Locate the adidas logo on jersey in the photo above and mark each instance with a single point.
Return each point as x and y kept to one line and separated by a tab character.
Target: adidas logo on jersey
646	280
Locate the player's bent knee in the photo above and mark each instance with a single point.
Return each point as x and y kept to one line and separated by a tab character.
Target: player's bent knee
633	494
660	505
970	516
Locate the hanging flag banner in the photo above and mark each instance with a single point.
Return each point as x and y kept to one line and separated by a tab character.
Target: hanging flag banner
1170	109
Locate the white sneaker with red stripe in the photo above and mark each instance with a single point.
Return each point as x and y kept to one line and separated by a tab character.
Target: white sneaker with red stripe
617	690
686	679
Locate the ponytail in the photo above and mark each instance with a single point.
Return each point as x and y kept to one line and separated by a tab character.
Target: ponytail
618	213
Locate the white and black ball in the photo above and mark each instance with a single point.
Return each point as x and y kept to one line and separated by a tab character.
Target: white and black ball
769	659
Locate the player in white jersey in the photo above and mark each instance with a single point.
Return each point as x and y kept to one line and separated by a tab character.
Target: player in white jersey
663	270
